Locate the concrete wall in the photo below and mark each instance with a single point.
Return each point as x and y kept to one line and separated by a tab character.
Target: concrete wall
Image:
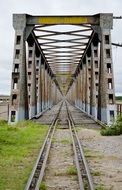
4	111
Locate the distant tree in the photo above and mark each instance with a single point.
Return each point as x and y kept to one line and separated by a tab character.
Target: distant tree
118	97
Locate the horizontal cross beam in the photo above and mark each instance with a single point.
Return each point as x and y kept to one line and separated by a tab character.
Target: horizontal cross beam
44	20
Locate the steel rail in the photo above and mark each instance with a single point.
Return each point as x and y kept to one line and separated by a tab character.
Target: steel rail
76	158
37	173
81	163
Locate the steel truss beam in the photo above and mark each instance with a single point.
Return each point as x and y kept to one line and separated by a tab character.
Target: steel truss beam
65	54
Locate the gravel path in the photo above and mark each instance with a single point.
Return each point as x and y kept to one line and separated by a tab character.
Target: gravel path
104	155
47	117
58	176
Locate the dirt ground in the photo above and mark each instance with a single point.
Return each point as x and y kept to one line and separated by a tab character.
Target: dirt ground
104	156
60	173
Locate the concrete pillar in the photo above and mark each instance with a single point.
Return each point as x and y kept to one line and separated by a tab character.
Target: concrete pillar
71	89
19	96
46	87
71	92
78	90
54	92
48	79
83	86
75	92
87	85
70	98
106	96
33	96
76	101
42	84
79	85
93	106
39	87
76	82
55	87
96	65
51	92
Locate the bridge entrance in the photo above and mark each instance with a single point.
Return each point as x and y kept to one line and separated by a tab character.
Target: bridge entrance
62	56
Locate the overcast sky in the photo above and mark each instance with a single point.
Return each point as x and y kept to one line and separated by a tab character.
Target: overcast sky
54	7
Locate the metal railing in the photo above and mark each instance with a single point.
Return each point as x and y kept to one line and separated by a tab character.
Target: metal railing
119	108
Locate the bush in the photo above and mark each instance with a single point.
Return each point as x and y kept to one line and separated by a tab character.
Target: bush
3	122
115	129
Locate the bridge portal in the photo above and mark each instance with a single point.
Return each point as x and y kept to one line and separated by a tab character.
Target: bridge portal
62	56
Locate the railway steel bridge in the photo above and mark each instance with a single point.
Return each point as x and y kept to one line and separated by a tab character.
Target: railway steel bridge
59	57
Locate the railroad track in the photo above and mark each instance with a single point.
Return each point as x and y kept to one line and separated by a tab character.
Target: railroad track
39	168
84	176
83	173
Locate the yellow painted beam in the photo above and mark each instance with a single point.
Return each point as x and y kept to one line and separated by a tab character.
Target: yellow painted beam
63	20
43	20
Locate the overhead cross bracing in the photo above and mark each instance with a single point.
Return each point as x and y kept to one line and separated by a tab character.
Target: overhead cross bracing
63	47
57	56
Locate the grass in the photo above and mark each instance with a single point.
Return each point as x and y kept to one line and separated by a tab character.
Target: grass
19	147
60	173
115	129
79	128
3	122
72	170
87	152
95	173
43	186
100	187
66	141
92	154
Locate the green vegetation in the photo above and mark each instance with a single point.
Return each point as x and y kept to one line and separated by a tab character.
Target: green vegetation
100	187
60	173
43	186
119	98
72	170
65	141
3	122
79	128
92	154
115	129
88	152
95	173
19	147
